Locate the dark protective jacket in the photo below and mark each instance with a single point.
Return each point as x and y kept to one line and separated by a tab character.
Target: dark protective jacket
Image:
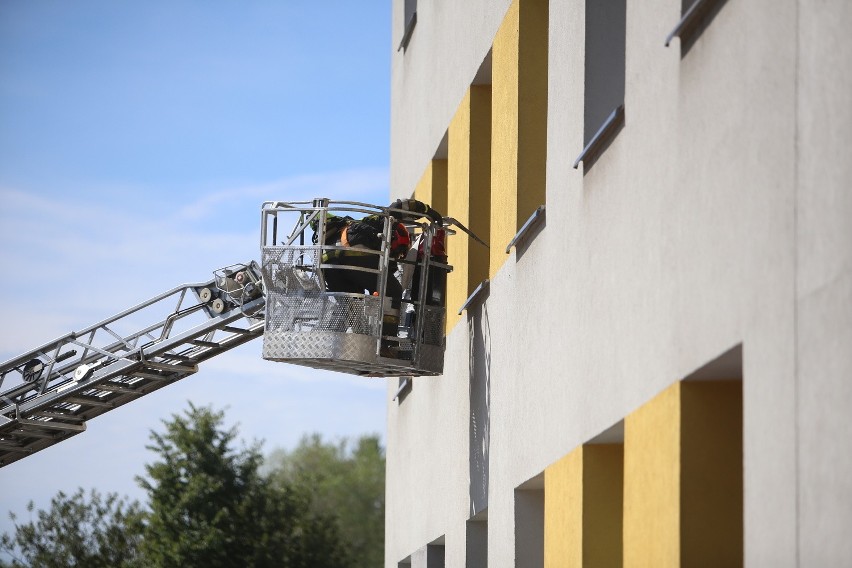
366	232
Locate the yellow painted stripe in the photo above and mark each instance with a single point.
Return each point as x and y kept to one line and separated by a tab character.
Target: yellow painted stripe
519	122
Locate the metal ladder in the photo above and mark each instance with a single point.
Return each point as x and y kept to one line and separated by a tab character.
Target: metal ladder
55	389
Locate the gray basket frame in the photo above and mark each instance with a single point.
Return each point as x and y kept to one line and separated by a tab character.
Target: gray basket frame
308	325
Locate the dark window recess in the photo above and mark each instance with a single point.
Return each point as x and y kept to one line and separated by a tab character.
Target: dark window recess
696	16
436	556
606	22
601	140
410	19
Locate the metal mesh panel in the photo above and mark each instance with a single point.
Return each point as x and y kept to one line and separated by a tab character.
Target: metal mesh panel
308	326
296	300
433	326
431	360
290	269
323	311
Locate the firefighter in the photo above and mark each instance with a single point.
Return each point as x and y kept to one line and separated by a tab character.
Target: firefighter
359	237
364	235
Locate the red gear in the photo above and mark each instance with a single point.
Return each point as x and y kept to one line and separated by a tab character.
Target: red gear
439	247
400	241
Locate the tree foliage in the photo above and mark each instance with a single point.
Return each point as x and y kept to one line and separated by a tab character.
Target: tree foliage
94	531
343	481
209	505
320	506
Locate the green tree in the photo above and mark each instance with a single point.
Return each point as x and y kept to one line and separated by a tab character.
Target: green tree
77	531
342	481
209	505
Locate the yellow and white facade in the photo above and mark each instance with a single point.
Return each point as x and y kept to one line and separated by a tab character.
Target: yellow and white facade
659	371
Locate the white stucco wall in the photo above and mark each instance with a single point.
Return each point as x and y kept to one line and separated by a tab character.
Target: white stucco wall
721	215
824	281
429	78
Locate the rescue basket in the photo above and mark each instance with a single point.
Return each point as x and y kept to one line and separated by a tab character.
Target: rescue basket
343	306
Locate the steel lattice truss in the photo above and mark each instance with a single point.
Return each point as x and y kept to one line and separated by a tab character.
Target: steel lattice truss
51	392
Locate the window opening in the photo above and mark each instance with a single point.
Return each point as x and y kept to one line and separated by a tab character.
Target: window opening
436	556
529	523
603	118
476	532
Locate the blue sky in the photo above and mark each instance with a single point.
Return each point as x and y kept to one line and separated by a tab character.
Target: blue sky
137	142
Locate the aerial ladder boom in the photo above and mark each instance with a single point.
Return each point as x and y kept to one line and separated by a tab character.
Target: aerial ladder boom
48	394
392	327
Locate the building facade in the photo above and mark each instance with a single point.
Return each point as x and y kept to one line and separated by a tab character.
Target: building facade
653	363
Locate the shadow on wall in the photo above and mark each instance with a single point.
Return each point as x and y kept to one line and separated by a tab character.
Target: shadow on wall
479	391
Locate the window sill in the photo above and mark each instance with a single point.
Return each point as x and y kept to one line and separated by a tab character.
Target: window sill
534	220
405	386
696	19
482	286
409	29
601	140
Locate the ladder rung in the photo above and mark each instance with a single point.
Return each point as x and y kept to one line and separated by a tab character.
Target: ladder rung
89	401
60	416
52	425
230	329
34	434
150	376
202	343
116	388
12	447
170	368
178	357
